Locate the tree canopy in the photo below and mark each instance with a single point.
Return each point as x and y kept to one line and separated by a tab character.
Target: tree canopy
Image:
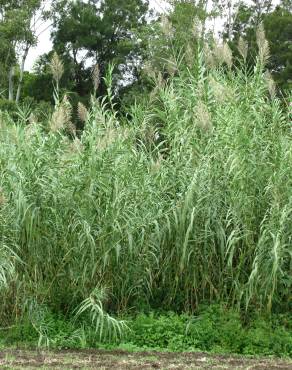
128	35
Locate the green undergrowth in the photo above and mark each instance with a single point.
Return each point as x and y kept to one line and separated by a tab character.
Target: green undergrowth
212	329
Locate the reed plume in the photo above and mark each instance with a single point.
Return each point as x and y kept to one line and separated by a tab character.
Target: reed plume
203	117
270	84
61	118
57	68
166	26
263	45
96	78
223	54
2	198
209	56
82	112
197	28
242	47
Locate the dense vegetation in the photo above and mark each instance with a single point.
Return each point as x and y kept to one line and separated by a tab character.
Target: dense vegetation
168	194
186	200
214	329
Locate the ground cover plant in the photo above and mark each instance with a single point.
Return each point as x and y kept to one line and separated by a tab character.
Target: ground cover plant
184	200
213	329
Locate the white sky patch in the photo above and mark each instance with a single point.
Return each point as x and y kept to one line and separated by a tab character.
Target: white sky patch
44	46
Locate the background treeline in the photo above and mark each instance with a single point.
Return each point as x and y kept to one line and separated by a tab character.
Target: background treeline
127	34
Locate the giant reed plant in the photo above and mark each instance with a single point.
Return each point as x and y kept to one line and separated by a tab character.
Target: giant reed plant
189	201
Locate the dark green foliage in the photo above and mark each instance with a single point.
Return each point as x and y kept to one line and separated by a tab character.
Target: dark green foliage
8	106
215	329
103	34
212	329
18	33
38	85
278	27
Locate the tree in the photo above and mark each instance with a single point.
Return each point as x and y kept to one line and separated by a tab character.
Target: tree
278	27
19	31
94	32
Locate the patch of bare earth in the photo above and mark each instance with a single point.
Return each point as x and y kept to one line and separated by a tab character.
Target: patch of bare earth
98	359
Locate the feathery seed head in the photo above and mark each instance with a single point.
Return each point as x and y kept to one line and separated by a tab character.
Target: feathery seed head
160	82
3	200
171	67
31	129
197	28
61	118
263	45
166	26
96	77
209	57
68	112
155	166
221	92
110	136
203	117
189	56
149	70
218	90
260	34
57	122
82	112
76	146
57	68
32	119
67	108
223	54
227	55
270	84
242	48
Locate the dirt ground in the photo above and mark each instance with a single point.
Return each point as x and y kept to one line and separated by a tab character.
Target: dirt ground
97	359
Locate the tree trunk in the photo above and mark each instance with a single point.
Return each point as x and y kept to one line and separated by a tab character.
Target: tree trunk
21	74
205	9
11	75
229	20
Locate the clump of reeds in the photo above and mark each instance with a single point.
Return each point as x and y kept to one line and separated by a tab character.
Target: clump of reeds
211	221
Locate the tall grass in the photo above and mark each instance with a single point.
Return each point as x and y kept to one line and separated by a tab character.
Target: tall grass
187	201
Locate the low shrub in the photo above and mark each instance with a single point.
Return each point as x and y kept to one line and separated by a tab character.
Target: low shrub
212	329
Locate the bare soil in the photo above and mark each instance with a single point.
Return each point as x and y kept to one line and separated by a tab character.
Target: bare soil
100	359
